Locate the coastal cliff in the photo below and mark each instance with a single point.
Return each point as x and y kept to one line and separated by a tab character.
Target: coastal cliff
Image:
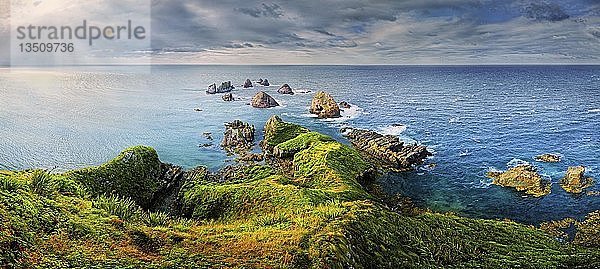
137	212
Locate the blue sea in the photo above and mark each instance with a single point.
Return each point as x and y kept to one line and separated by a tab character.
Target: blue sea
474	118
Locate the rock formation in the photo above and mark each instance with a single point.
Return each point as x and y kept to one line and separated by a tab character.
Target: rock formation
575	180
228	97
238	136
285	89
248	84
344	104
523	178
225	87
324	106
548	158
263	100
386	150
264	82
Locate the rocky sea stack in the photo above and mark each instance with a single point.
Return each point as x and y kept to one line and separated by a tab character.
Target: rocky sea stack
324	106
386	150
228	97
248	84
263	100
238	136
523	178
223	88
548	158
575	180
285	89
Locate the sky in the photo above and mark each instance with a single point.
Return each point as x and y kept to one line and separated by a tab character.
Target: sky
361	32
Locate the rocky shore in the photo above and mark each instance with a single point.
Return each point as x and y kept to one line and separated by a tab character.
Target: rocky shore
136	212
523	178
386	150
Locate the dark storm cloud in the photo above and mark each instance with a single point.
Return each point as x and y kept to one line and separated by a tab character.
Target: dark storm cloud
384	30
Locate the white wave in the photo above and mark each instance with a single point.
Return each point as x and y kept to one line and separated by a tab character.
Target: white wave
595	110
394	129
464	153
302	91
516	162
454	120
347	114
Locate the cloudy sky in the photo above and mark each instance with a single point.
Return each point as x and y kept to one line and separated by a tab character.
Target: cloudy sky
373	32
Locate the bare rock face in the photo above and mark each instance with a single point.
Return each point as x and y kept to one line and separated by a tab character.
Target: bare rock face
223	88
228	97
285	89
238	136
264	82
523	178
575	180
263	100
386	150
324	106
248	84
548	158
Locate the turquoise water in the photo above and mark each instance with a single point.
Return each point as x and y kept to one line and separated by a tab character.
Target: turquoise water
474	118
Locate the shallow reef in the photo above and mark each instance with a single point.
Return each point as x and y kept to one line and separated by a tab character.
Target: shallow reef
315	213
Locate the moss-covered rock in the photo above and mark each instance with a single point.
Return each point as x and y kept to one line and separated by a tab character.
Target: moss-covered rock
135	173
324	106
575	180
522	178
277	131
588	230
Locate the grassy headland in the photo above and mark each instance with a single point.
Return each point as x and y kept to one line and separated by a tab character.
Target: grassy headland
313	213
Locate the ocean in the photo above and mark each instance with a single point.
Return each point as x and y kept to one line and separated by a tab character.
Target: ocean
474	118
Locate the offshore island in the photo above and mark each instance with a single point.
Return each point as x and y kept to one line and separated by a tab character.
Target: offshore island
305	201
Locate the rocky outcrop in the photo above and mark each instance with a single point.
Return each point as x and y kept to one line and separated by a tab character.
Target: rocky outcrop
238	136
324	106
285	89
575	180
386	150
248	84
548	158
263	100
276	131
264	82
228	97
223	88
523	178
344	104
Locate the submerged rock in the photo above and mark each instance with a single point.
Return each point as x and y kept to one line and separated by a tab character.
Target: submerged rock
524	177
575	180
285	89
548	158
324	106
263	100
344	104
248	84
238	136
228	97
386	150
223	88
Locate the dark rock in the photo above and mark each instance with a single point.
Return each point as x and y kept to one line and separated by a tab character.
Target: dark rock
575	180
386	150
264	82
344	104
198	109
324	106
208	135
251	157
523	177
263	100
285	89
238	136
248	84
225	87
228	97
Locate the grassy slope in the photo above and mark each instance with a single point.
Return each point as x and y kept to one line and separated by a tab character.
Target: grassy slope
320	217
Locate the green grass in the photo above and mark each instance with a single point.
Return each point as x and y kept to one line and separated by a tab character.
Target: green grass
317	217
